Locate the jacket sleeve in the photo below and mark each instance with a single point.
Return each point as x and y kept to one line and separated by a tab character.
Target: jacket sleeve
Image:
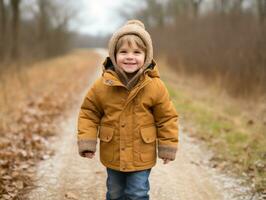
166	119
89	118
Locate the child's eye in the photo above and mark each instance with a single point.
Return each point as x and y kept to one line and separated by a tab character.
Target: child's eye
123	51
137	52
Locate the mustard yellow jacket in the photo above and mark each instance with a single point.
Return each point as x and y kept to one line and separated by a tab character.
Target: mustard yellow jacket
131	125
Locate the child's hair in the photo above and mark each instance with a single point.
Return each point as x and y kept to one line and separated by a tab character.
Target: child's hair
130	39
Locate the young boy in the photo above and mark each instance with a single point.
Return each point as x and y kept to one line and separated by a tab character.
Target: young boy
129	109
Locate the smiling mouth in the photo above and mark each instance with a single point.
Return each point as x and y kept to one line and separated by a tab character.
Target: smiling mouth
130	63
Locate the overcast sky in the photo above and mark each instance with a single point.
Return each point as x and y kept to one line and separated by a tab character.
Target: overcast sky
101	16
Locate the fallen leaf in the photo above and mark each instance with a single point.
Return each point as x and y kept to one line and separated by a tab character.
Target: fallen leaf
70	195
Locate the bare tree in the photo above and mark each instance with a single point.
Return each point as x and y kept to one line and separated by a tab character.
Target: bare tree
43	19
176	9
262	10
2	28
15	28
238	4
157	12
221	6
196	7
152	15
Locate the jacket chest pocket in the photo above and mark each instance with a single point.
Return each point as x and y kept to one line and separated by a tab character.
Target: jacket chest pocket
106	135
147	143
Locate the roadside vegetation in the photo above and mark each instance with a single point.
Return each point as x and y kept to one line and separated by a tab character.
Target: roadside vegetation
38	97
233	129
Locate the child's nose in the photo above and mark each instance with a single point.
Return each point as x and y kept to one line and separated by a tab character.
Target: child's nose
130	56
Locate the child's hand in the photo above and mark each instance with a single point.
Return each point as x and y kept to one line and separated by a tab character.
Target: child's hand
89	154
166	160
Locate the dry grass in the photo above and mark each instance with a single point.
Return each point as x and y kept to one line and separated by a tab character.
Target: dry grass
235	129
21	84
226	49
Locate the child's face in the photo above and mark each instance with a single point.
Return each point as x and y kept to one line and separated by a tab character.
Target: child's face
130	59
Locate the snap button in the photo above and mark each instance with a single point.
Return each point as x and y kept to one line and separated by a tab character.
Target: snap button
109	82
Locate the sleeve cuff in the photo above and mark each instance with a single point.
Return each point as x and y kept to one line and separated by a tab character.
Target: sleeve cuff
167	152
86	145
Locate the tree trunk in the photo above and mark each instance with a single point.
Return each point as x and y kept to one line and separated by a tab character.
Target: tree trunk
15	28
237	6
221	6
196	7
43	20
262	10
2	28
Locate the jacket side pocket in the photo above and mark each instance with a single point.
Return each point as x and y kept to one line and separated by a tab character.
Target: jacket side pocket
106	134
147	146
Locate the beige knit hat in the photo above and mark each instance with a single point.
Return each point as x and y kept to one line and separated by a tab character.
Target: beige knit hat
132	27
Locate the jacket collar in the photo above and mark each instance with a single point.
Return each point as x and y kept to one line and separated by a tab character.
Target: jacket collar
111	78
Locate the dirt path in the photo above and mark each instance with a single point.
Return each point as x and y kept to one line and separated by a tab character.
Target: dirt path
189	177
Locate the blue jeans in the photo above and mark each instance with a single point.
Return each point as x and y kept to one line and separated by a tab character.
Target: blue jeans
127	185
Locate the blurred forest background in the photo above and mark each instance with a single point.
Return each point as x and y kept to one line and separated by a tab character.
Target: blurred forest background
222	40
219	42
